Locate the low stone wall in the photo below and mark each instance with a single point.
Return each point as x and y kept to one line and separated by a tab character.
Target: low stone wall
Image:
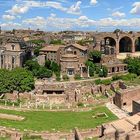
91	133
11	117
74	135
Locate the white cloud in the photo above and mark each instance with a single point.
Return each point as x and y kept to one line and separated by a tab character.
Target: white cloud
37	21
75	9
55	23
16	9
23	7
93	2
51	4
136	8
11	24
118	14
8	17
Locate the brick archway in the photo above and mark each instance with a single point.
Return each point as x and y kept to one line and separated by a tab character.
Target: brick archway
125	44
137	44
110	41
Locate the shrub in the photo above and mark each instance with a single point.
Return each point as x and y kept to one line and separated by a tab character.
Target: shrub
44	73
80	104
58	79
65	77
106	82
58	76
77	77
91	66
103	72
116	77
133	65
128	77
98	81
95	56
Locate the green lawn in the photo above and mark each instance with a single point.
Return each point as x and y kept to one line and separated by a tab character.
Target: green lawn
62	121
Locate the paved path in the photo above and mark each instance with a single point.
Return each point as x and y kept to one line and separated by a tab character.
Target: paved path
117	111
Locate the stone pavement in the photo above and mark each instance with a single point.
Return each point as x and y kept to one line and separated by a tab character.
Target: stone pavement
117	111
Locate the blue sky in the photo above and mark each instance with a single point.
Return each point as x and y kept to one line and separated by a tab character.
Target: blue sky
57	15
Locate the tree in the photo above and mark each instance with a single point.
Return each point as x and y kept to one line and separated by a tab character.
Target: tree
54	67
44	73
91	66
95	56
47	64
117	30
133	65
33	66
57	42
5	82
38	42
103	71
37	50
22	80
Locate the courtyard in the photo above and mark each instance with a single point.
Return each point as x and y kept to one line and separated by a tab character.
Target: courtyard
58	121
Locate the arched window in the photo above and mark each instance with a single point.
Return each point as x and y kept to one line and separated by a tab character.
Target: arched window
13	47
13	62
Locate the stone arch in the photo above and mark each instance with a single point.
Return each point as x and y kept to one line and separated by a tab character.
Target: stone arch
137	44
125	44
109	45
110	41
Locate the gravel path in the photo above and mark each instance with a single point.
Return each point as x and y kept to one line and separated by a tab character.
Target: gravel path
117	111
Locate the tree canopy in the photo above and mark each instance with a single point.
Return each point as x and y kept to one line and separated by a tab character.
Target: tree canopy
18	79
133	65
95	56
91	66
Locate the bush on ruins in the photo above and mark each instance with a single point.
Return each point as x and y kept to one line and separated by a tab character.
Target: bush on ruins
44	73
95	56
37	70
18	79
77	77
133	65
32	66
103	72
53	66
91	66
65	77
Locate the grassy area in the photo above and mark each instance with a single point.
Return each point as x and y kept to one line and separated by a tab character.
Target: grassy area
5	138
62	121
133	82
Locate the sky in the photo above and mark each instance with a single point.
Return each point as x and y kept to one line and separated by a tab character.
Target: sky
60	15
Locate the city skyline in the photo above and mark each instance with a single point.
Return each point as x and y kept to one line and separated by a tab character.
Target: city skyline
58	15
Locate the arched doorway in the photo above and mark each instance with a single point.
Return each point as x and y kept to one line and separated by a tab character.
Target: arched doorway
137	44
110	45
125	45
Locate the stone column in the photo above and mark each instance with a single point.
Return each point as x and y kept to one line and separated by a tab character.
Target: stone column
133	46
81	72
117	47
88	72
